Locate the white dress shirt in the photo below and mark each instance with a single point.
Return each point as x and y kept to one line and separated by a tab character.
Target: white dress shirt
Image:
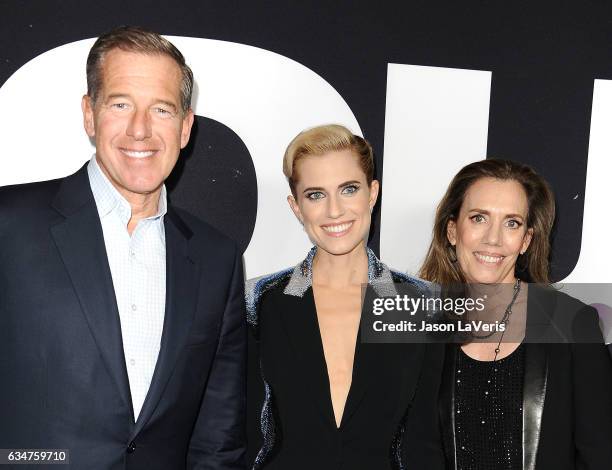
138	268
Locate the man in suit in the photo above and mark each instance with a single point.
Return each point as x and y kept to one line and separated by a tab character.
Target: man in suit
122	324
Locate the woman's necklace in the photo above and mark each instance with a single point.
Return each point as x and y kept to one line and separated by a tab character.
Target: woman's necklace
504	320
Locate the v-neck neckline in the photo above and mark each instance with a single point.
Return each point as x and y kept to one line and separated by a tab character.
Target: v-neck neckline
322	362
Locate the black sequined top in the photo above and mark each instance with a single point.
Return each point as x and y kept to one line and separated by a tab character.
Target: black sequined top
489	412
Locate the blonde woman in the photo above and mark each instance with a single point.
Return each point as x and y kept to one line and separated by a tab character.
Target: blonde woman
329	401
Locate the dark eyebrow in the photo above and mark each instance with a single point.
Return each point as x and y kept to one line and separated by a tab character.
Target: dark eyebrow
482	211
313	189
346	183
115	96
507	216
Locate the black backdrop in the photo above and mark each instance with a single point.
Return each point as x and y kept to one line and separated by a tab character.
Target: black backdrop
543	55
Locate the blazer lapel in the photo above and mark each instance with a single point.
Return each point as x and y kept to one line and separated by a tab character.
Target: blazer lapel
541	304
80	242
406	359
364	370
447	406
182	282
534	393
300	323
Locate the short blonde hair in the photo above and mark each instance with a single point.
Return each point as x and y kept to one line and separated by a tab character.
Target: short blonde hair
322	139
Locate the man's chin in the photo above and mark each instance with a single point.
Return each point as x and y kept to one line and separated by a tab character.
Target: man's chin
140	188
145	190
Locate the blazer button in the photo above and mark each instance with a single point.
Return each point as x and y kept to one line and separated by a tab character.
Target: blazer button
131	447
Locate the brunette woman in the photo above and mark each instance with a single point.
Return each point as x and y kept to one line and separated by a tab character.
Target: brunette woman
508	402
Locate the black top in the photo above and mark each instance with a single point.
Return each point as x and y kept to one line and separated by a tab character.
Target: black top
390	415
308	426
489	412
567	410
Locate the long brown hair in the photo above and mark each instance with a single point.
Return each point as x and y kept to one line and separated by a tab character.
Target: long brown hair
441	264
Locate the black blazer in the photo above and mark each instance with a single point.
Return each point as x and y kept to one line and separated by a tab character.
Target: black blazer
567	391
390	417
63	373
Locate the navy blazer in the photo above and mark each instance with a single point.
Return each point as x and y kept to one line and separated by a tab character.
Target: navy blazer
63	373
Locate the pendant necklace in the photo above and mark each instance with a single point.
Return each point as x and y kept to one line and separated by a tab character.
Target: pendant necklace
504	320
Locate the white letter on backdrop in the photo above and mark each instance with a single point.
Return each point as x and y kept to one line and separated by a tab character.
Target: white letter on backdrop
436	122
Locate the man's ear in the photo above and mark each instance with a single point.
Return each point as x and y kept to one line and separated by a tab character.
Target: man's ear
295	208
451	232
88	116
186	127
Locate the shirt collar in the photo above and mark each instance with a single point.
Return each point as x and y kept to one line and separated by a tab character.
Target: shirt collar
108	198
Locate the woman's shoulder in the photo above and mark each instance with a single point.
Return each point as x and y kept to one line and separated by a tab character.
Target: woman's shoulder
386	275
556	299
561	312
404	278
380	274
257	288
